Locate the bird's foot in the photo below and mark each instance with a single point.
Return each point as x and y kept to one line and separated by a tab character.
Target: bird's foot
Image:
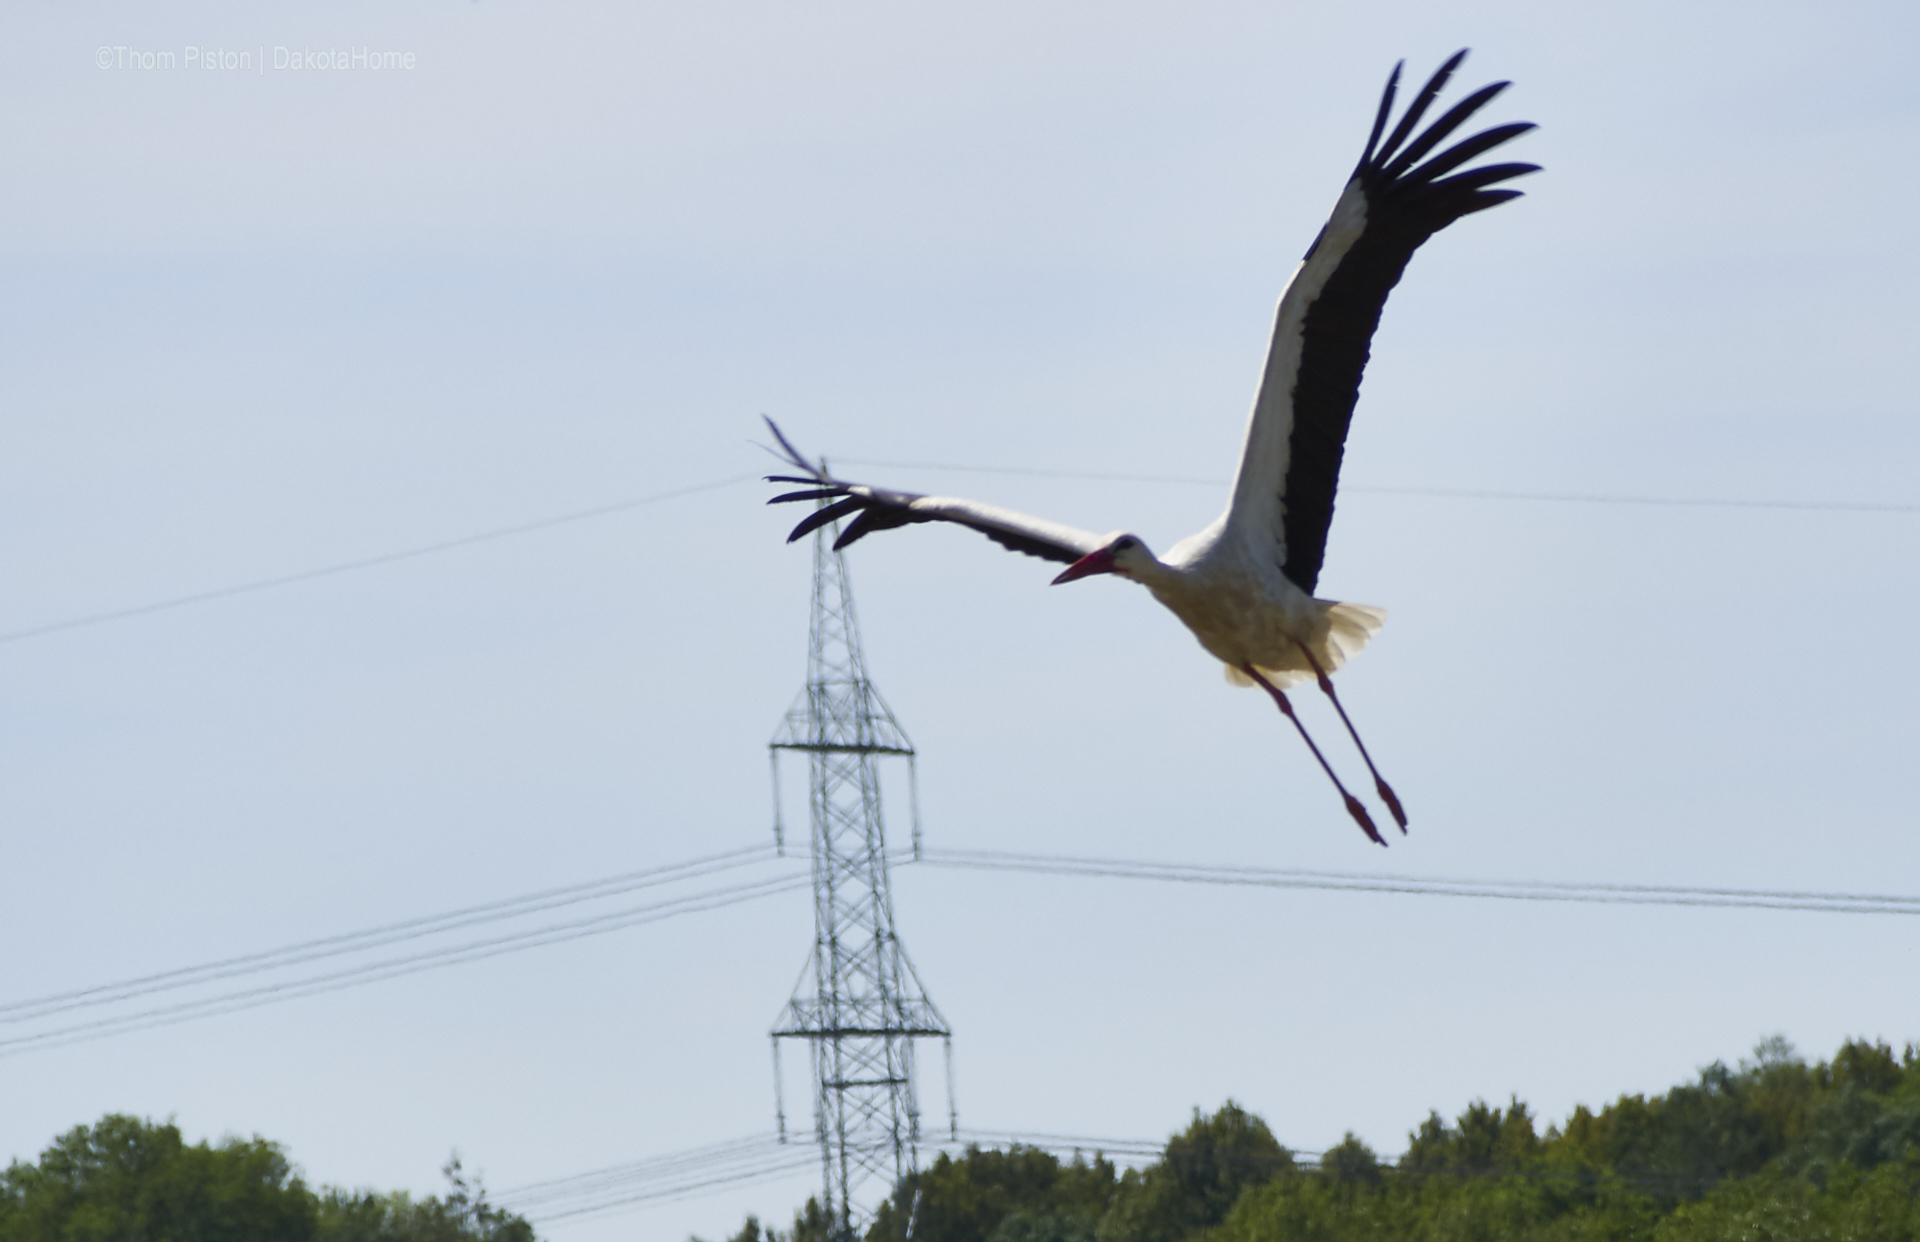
1354	808
1393	804
1365	820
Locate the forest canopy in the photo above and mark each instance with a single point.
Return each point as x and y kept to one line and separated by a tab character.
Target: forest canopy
1776	1148
124	1179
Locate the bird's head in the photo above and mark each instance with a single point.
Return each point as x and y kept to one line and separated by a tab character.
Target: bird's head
1123	554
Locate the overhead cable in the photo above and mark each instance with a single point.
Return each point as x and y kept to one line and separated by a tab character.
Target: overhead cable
1060	1144
263	584
392	968
375	937
673	1163
39	1008
763	1157
676	1175
1450	493
387	558
1433	886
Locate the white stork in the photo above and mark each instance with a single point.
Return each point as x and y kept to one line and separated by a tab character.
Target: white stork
1244	585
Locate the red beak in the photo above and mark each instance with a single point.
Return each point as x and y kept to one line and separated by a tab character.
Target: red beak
1100	562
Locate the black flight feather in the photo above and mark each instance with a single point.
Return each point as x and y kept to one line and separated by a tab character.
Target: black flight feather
874	509
1403	208
1421	102
1380	117
1443	128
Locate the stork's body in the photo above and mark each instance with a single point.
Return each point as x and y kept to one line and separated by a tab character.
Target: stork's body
1245	585
1246	612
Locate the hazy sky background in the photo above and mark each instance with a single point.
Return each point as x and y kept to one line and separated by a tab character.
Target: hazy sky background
253	323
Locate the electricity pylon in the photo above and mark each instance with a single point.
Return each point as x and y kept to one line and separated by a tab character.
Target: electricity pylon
859	1002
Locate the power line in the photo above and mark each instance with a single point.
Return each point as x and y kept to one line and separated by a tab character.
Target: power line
1509	890
234	1001
673	1163
1059	1144
763	1157
658	1179
393	968
790	1162
759	1157
359	941
1093	476
1451	493
1683	502
307	575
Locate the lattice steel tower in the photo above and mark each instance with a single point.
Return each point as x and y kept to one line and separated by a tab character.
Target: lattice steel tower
859	1002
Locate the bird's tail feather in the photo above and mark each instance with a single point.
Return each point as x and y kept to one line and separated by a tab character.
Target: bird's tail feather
1349	626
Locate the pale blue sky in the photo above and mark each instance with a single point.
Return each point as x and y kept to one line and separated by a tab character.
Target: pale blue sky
258	323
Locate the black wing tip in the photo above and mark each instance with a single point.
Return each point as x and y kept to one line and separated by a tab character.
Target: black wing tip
1394	166
824	514
1409	180
1380	117
792	457
815	493
1445	72
793	454
856	529
1486	175
1483	199
816	484
1418	108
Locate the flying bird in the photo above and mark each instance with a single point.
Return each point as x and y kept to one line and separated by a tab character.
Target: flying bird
1245	584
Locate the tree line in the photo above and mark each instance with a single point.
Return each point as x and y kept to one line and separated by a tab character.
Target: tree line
124	1179
1776	1149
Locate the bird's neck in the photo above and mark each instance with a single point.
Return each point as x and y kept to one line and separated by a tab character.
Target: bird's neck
1156	575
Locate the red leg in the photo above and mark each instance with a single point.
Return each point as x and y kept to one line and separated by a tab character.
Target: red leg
1354	808
1379	782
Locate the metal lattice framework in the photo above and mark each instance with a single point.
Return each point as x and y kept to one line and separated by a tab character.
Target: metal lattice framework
859	1002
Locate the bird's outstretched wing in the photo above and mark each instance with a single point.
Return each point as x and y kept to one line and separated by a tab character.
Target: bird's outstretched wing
879	509
1290	466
